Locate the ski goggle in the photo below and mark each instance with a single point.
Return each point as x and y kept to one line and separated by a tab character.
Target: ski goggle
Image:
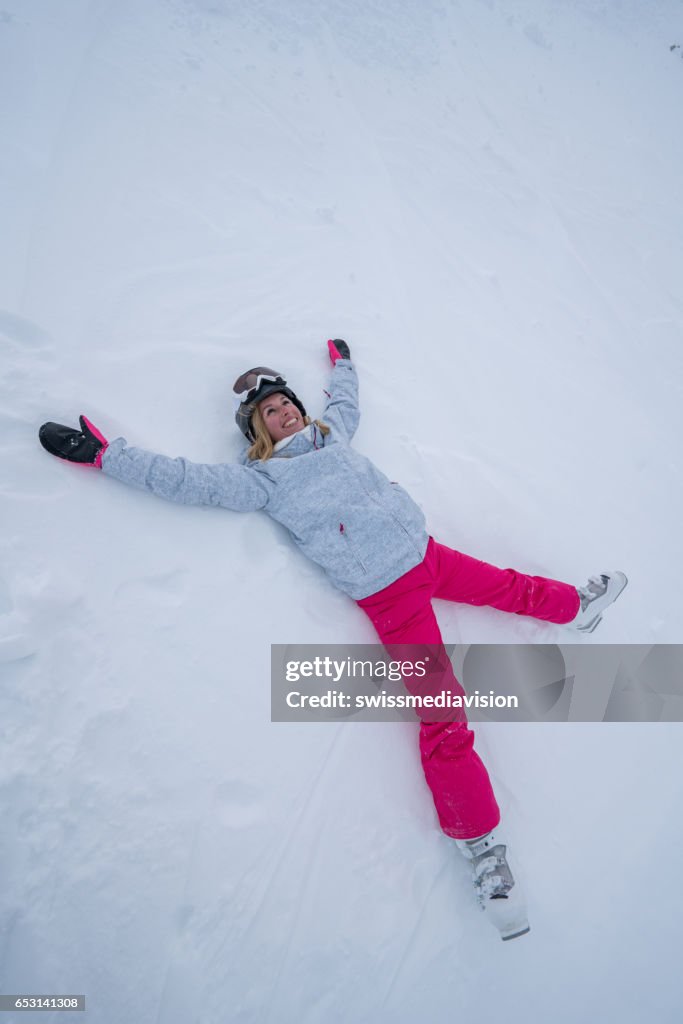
247	386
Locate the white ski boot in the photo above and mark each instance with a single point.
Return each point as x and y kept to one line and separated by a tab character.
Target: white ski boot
596	595
498	894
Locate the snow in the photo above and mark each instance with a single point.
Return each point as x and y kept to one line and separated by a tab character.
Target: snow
485	200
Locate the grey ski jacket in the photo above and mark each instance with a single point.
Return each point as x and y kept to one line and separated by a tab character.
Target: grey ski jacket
339	508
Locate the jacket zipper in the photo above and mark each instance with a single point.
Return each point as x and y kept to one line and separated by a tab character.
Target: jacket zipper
394	517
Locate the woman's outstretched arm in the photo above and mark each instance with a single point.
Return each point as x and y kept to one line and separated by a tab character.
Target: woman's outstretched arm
342	412
190	483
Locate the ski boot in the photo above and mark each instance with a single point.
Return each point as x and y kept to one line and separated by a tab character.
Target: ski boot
596	595
498	894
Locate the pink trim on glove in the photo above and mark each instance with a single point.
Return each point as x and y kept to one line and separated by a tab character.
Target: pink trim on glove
335	354
100	437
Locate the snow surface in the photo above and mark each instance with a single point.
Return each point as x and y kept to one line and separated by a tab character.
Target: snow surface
485	200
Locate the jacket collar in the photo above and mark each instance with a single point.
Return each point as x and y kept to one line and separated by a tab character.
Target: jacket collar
306	433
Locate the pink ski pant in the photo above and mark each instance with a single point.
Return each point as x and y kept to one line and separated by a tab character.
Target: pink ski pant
402	613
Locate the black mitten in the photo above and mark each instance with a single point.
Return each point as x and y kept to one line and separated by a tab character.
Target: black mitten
338	349
86	445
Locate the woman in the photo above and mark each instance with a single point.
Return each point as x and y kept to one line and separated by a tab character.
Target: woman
370	538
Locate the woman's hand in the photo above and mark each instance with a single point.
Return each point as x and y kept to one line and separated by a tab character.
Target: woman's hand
86	445
338	349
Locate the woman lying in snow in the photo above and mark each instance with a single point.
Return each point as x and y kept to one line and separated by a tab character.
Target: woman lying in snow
370	538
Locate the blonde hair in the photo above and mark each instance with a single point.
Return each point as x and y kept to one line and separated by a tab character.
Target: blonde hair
263	446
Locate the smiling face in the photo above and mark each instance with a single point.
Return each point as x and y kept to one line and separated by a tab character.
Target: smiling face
281	416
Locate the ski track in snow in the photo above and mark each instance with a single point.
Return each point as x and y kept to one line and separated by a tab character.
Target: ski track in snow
486	203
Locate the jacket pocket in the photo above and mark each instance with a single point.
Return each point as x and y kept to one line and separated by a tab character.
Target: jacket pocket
351	548
407	532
